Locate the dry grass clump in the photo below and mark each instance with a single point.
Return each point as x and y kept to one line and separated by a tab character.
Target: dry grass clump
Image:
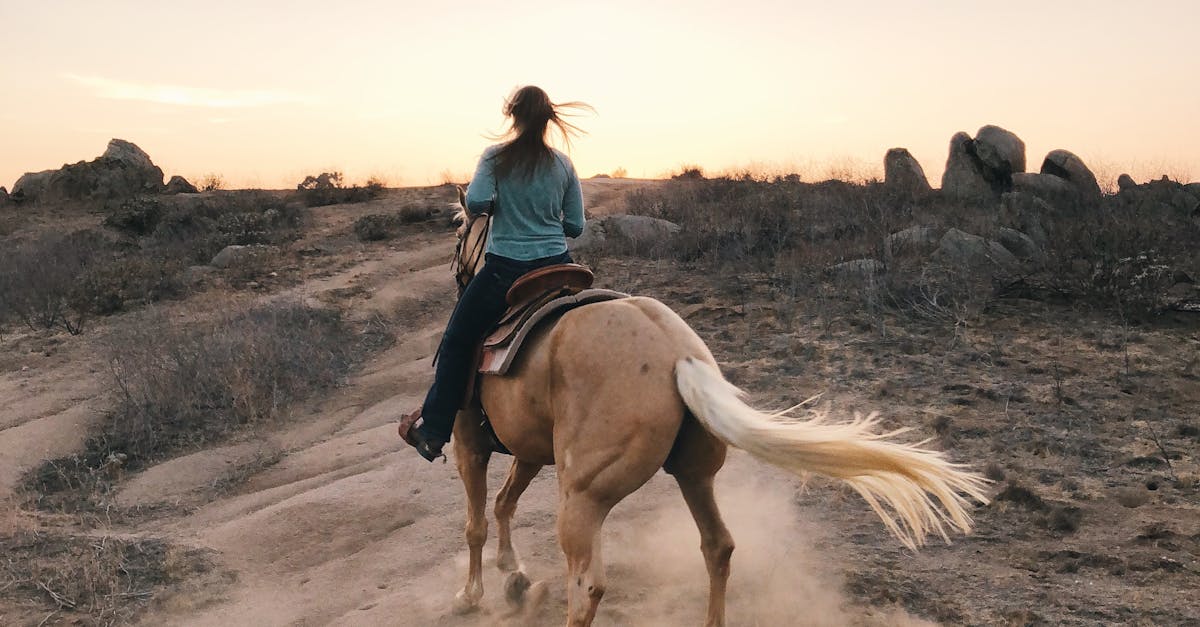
90	578
182	385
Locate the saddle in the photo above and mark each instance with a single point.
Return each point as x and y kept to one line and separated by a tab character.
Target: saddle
539	297
533	298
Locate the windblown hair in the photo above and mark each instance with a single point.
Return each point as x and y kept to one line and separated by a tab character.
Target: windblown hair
531	112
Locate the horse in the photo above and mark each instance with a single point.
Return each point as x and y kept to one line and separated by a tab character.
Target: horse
615	390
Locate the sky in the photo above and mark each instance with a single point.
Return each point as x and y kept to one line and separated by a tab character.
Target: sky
264	93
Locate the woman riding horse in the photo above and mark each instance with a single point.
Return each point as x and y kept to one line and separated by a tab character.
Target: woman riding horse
534	197
613	391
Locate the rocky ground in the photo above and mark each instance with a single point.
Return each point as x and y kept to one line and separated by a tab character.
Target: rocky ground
1086	424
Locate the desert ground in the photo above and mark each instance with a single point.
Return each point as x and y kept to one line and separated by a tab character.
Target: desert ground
1084	420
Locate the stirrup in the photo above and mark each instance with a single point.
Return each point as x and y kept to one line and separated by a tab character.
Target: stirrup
412	436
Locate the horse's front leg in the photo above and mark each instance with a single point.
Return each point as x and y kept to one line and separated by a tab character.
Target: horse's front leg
471	456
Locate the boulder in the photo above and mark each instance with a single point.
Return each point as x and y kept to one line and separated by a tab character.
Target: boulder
180	185
1066	165
593	236
1020	245
1025	213
963	250
1001	152
857	269
963	178
1194	188
640	232
31	185
123	171
903	174
232	256
915	239
1055	191
3	195
1125	182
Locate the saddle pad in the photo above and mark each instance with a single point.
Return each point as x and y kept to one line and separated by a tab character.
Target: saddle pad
502	346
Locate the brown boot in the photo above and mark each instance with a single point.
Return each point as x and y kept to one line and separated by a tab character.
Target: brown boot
410	432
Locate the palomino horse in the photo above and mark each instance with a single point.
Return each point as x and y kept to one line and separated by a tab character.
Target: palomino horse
618	389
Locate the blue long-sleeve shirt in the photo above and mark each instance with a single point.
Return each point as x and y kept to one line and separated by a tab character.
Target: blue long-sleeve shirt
534	216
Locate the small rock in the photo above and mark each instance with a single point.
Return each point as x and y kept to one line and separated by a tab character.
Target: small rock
860	269
180	185
965	250
236	255
1021	245
914	239
1125	182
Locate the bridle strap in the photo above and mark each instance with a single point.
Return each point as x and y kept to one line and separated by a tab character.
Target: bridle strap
465	261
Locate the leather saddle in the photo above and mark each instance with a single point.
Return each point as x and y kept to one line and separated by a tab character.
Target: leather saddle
539	297
536	297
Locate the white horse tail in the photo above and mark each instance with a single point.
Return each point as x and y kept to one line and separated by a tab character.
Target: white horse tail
885	472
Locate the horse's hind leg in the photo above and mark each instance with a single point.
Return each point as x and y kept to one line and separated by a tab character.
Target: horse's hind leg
580	517
472	461
519	476
715	541
694	462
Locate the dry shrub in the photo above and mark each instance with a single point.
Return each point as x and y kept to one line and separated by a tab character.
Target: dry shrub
93	579
380	226
1120	253
193	234
181	386
40	278
327	189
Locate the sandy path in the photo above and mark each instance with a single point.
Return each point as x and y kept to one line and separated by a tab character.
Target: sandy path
346	526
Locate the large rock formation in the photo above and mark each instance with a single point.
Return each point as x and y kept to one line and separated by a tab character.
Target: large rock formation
903	174
1001	152
124	170
1056	191
1066	165
963	178
982	168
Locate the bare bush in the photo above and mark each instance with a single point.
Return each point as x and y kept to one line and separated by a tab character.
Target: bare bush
327	189
41	279
181	386
92	578
381	226
210	182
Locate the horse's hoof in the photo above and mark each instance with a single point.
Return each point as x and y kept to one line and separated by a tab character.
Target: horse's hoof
515	588
464	603
507	562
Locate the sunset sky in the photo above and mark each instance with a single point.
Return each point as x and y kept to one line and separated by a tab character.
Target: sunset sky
264	93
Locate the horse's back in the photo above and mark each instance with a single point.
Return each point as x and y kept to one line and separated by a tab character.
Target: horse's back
615	396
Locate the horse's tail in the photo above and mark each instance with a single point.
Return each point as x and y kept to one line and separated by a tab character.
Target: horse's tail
901	476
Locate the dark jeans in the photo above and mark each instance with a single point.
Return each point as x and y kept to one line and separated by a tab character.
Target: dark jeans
478	310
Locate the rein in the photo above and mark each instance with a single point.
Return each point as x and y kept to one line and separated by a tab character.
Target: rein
465	261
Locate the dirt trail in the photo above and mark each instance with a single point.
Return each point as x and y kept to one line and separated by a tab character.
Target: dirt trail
338	523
